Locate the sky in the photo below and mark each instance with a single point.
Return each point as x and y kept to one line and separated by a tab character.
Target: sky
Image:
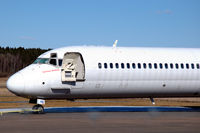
135	23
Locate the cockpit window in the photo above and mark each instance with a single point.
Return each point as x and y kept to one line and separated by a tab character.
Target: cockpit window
53	62
41	61
60	62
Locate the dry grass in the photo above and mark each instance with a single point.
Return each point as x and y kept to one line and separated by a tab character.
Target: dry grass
9	100
3	82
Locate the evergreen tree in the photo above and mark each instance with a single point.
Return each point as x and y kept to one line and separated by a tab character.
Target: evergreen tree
14	59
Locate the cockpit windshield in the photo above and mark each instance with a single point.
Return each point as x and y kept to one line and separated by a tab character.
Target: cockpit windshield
41	61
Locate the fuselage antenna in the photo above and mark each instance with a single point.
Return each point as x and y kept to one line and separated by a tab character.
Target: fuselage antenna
115	44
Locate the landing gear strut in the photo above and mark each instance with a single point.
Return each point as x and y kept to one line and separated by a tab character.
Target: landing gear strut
38	109
152	101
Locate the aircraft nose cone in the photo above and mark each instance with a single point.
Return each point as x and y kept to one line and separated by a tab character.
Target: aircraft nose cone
15	83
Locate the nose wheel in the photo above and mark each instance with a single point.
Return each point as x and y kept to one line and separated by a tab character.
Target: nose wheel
38	109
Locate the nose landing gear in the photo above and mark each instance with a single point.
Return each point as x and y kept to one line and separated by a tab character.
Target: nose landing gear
38	108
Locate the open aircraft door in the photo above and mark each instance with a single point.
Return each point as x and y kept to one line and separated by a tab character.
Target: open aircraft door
73	67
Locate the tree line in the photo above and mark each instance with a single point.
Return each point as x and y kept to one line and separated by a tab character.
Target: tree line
14	59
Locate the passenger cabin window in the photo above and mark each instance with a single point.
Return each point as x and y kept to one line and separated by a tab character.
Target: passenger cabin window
99	65
155	66
198	67
139	65
144	65
171	66
166	65
133	65
117	65
161	66
53	62
122	65
187	66
105	65
150	65
128	65
111	65
192	66
182	66
176	66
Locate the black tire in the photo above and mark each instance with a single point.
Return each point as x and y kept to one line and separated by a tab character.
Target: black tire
38	109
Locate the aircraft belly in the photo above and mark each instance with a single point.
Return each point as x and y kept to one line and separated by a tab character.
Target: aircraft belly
138	89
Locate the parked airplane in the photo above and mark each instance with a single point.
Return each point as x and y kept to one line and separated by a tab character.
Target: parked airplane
85	72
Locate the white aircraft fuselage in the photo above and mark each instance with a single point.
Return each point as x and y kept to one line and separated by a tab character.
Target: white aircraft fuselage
106	72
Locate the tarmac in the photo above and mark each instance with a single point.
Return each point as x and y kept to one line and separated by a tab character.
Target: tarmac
98	122
114	119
